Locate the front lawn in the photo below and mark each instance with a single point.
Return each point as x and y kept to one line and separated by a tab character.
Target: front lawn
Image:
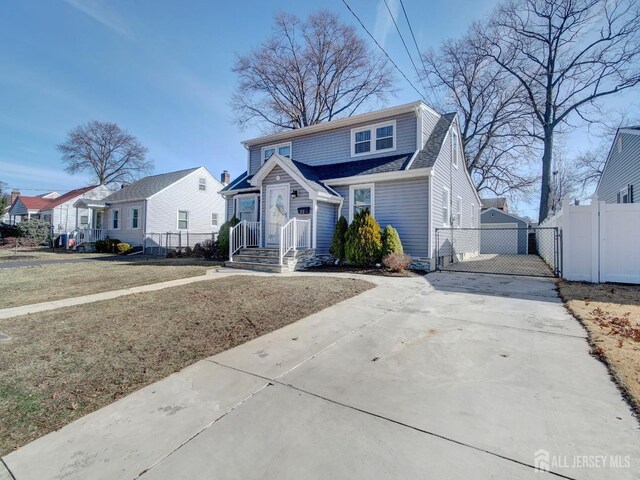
28	254
611	314
63	364
26	285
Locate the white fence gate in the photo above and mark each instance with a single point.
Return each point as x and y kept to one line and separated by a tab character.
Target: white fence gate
600	242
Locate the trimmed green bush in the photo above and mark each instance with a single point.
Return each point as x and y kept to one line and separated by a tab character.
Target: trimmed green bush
34	229
337	245
223	237
391	241
363	241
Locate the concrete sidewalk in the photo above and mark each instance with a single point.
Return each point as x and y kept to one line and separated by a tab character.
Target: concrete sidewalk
446	376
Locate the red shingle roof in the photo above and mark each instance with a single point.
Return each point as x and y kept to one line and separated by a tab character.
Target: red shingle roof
39	203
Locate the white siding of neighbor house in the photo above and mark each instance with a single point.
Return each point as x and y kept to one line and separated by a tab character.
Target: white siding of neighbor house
326	218
125	233
403	204
65	217
429	121
622	169
459	184
335	146
185	195
302	199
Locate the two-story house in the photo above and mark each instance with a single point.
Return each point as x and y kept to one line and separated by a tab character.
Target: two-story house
405	164
622	168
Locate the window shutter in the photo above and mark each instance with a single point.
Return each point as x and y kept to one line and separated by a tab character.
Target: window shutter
630	193
618	197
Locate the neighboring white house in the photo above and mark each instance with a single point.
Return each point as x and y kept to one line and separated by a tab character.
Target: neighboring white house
60	210
185	202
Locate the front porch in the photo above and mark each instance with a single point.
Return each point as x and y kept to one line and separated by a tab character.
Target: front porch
293	251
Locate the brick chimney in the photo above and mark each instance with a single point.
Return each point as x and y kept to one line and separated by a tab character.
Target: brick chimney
14	194
225	178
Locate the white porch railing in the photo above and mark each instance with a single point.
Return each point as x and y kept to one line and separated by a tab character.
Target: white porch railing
293	235
244	234
88	235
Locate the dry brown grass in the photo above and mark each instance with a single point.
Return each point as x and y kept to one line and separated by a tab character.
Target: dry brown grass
611	314
44	254
26	285
63	364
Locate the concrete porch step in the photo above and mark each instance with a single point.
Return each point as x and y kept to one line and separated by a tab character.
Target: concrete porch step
260	267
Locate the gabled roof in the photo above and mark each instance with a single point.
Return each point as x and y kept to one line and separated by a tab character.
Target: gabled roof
43	203
148	186
502	212
632	130
429	154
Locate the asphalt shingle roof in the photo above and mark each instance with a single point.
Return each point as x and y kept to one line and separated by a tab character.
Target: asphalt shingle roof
147	186
429	154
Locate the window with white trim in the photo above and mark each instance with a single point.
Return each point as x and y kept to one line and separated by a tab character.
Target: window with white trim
214	219
455	148
623	196
135	218
183	220
445	207
84	220
246	207
380	137
283	149
459	212
115	219
360	198
202	184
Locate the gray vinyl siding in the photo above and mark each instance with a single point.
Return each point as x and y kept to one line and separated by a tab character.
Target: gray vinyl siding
302	200
622	169
495	216
457	180
229	208
185	195
403	204
429	121
335	146
326	218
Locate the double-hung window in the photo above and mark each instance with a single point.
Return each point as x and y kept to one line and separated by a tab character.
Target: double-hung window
135	218
183	220
247	208
360	199
115	219
202	184
214	219
373	138
84	220
459	212
283	149
445	207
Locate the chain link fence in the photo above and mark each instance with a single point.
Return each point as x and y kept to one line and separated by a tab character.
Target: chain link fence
163	243
501	250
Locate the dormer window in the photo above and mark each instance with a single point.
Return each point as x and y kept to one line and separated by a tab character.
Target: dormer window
283	149
373	139
202	184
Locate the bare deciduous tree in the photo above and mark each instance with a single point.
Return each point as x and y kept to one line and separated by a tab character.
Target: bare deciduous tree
109	153
566	54
495	122
308	72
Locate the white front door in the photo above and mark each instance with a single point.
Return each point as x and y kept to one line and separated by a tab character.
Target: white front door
277	211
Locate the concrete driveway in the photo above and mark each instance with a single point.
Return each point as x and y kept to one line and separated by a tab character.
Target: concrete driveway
445	376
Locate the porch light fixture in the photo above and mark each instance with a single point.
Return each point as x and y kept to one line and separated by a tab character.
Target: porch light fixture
294	194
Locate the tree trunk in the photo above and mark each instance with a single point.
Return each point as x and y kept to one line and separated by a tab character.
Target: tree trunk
545	191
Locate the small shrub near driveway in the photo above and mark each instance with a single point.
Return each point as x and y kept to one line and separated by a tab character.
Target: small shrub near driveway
123	248
391	241
396	262
337	245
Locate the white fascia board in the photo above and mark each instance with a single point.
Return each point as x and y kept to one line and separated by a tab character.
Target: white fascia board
381	177
266	168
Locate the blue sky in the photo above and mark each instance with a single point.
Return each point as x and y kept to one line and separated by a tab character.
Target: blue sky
161	69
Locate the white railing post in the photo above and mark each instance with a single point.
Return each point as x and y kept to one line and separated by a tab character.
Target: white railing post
281	243
231	244
295	234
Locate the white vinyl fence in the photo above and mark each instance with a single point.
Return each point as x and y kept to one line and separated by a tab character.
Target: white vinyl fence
600	241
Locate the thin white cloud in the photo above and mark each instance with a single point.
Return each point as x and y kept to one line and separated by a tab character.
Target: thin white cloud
384	23
103	14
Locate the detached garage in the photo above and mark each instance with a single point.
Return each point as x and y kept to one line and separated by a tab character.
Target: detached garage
503	233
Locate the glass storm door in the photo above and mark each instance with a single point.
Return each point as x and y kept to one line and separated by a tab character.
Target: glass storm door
98	220
277	212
